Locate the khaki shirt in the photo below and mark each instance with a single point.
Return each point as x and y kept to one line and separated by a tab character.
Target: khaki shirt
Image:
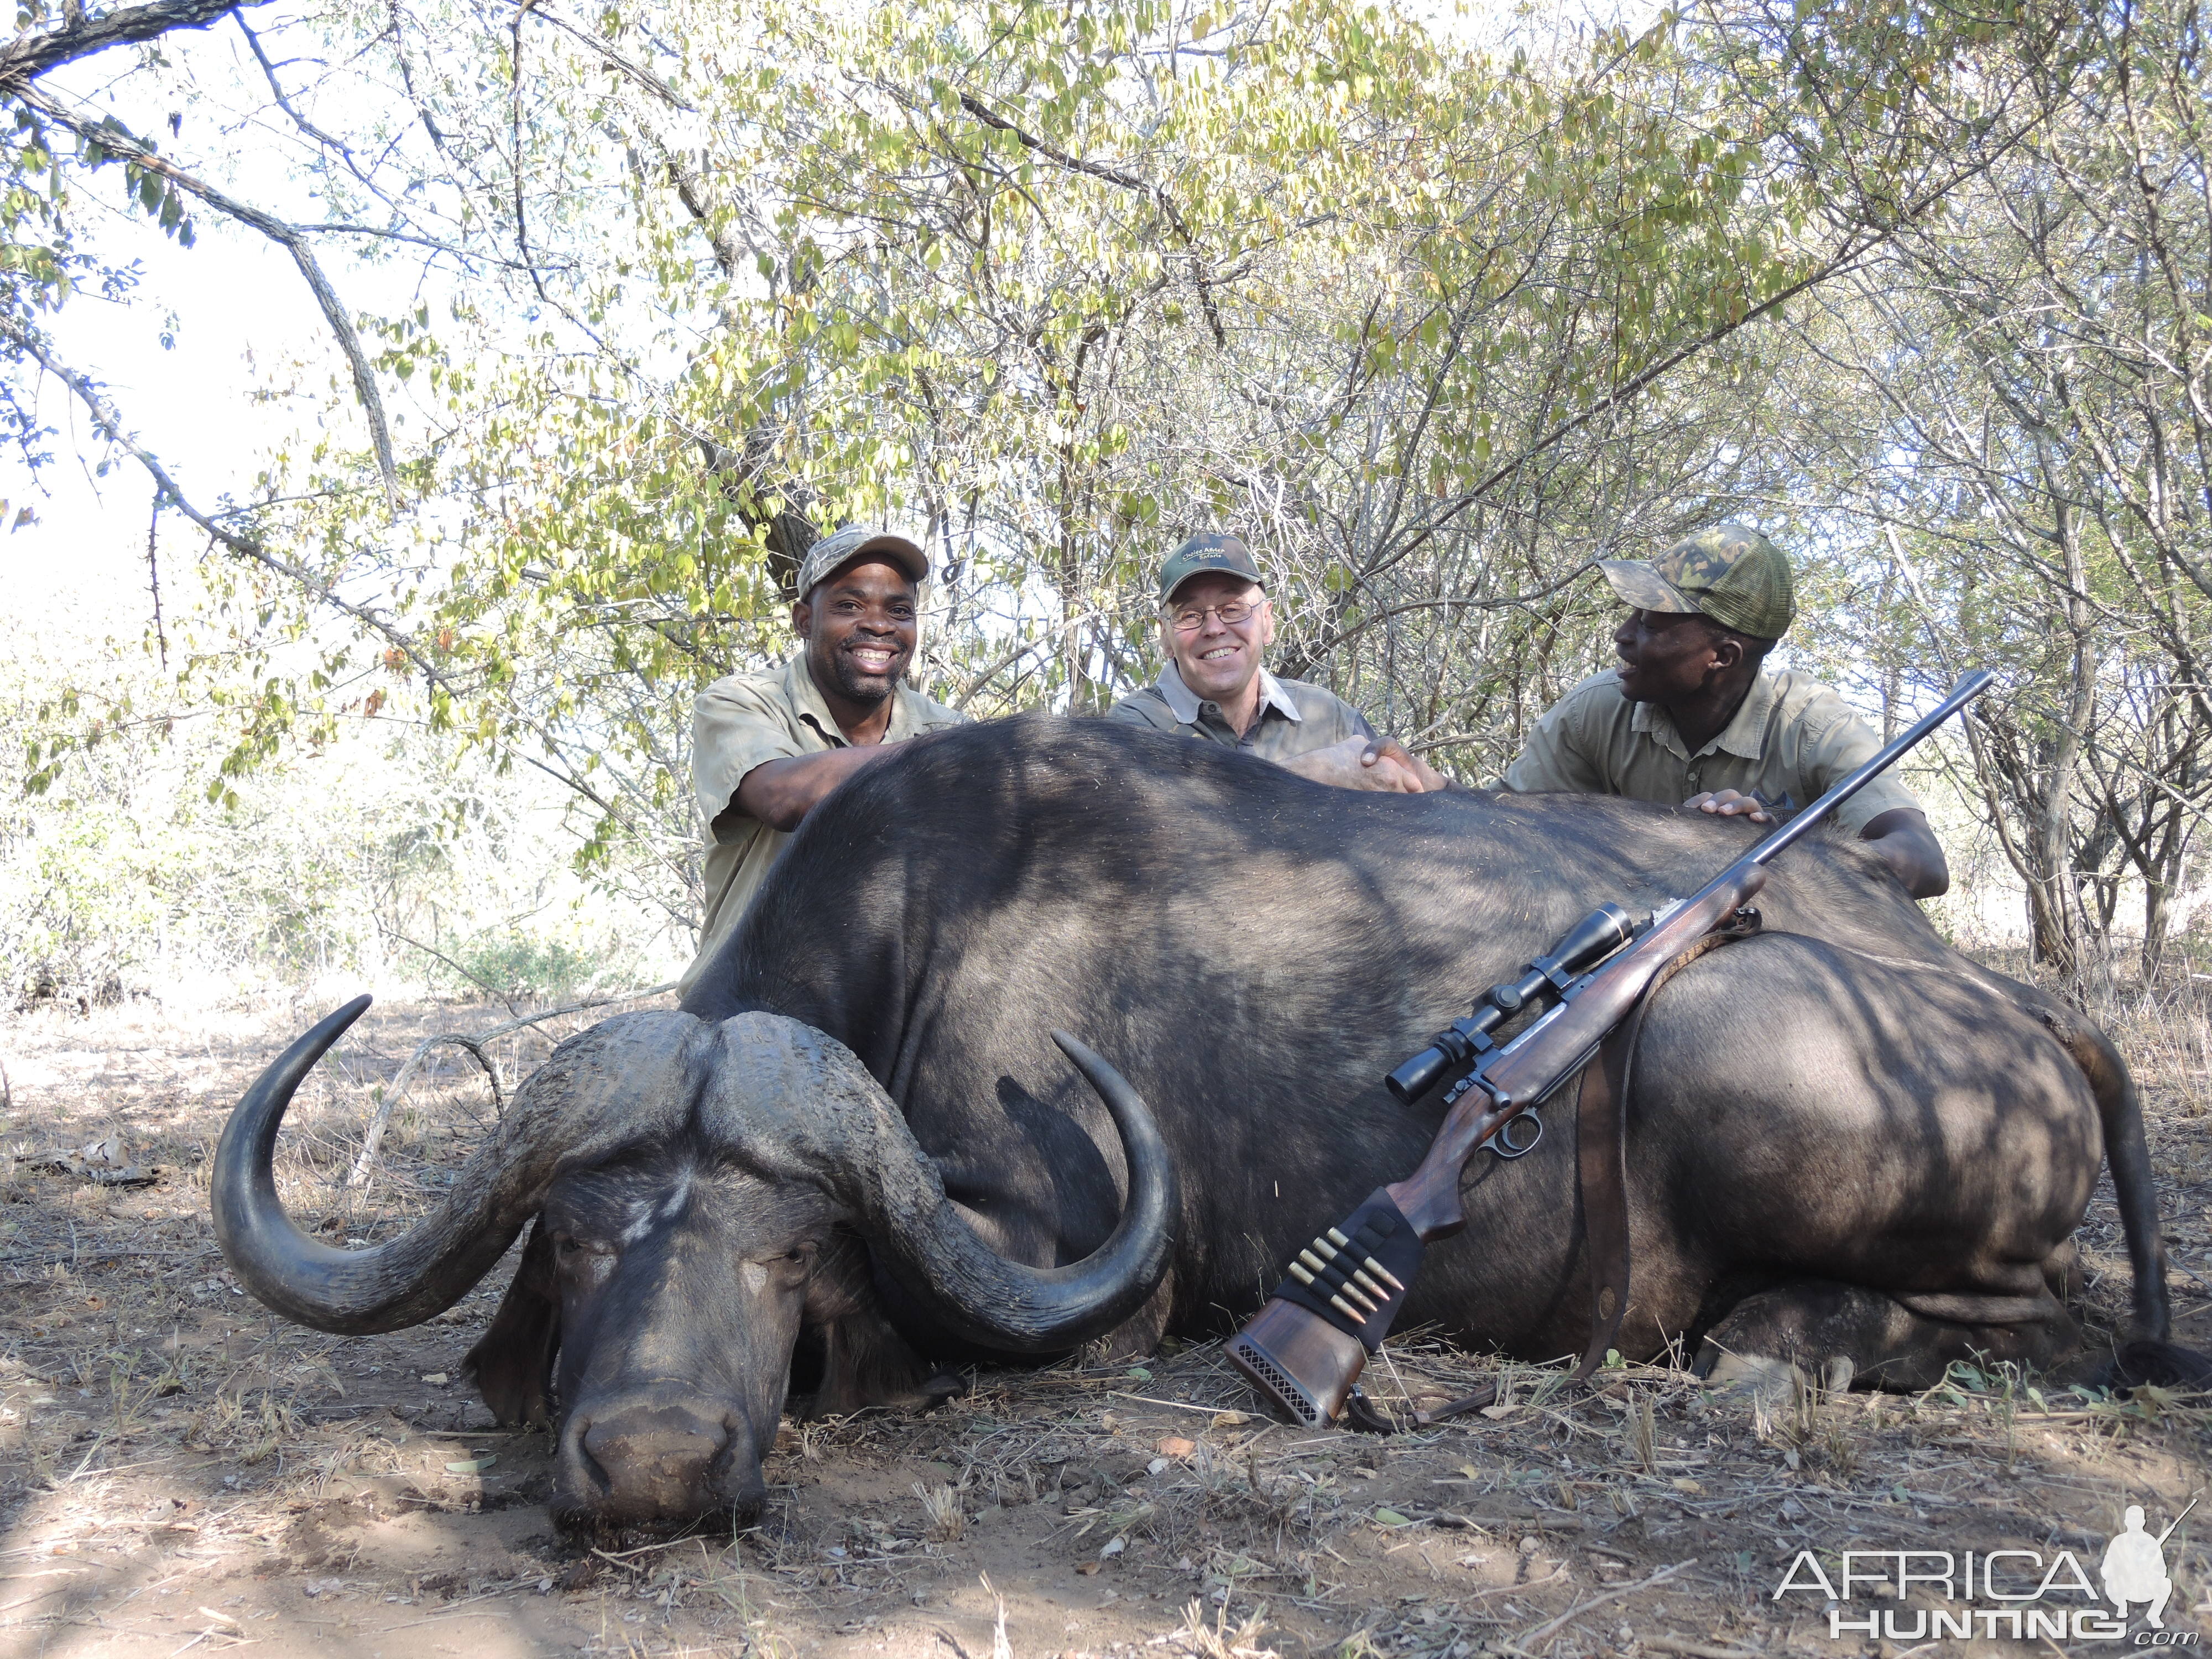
1295	718
739	723
1790	740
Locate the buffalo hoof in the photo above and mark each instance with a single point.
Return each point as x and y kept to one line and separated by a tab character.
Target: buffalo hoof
1750	1375
938	1389
657	1461
841	1399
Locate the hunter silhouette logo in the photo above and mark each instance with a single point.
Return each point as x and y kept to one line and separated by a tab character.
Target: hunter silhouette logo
1914	1596
2135	1565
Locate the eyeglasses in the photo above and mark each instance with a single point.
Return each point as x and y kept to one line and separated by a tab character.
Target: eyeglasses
1235	614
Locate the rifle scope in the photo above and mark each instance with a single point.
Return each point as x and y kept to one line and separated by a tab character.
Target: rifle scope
1588	943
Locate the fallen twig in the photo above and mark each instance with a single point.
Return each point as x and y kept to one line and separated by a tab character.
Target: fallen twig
1181	1404
474	1045
1694	1649
1551	1625
100	1175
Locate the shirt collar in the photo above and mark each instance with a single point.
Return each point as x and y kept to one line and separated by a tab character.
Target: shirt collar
1183	703
805	696
1742	736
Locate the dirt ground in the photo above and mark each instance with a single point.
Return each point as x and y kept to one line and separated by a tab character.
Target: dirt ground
180	1472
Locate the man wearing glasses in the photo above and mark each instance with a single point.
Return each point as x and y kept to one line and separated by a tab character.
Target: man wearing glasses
1215	627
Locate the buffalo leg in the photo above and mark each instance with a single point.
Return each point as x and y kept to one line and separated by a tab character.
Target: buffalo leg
1888	1342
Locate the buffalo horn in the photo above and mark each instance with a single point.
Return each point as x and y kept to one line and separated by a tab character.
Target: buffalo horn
434	1263
859	1141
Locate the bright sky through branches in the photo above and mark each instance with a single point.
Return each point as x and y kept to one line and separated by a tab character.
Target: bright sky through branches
251	358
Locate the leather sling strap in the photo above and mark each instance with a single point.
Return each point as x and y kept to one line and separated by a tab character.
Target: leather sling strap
1601	1153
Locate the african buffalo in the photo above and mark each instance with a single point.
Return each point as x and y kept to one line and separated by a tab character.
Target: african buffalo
856	1144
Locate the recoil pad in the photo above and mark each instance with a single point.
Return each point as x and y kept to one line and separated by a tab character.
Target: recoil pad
1355	1274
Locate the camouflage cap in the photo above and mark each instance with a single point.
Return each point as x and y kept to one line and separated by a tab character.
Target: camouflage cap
1204	553
832	553
1727	572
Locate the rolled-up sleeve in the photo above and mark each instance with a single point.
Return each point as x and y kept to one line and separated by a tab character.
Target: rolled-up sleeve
734	729
1837	743
1554	759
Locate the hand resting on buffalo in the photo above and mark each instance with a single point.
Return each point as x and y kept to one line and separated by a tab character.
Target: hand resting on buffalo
1383	764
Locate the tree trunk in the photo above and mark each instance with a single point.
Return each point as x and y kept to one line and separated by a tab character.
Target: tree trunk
2056	918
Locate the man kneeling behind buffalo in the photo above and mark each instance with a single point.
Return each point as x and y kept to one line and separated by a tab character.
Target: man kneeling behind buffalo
1688	715
766	748
1216	624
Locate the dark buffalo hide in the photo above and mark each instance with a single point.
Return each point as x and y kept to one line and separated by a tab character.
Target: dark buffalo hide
1846	1140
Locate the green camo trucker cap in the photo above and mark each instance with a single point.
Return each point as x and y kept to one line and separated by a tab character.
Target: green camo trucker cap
1730	572
832	553
1205	552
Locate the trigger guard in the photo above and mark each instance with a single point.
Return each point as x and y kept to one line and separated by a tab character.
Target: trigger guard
1502	1144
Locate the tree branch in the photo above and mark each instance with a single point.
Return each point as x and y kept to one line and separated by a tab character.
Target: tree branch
118	142
1112	176
29	56
109	422
645	78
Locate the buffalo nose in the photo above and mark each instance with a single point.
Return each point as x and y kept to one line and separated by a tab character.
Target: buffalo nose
658	1461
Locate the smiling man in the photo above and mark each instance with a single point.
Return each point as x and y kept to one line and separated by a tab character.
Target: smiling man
1688	715
1216	624
765	748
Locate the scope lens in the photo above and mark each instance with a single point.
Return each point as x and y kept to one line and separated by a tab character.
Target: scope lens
1417	1076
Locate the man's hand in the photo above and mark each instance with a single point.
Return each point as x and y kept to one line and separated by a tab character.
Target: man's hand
1730	804
1900	835
1382	751
1378	763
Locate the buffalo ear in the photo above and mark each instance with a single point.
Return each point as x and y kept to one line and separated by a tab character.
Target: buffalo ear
511	1365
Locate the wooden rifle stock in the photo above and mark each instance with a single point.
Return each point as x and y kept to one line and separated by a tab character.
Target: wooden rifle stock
1556	1047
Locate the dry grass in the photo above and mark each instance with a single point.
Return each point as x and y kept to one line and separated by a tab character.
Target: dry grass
177	1468
944	1520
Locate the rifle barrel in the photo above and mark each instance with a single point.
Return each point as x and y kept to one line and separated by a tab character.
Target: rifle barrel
2175	1521
1970	686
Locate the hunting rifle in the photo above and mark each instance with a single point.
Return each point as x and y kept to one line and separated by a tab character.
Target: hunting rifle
1305	1350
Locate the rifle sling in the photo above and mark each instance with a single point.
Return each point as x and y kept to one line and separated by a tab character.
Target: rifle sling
1601	1153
